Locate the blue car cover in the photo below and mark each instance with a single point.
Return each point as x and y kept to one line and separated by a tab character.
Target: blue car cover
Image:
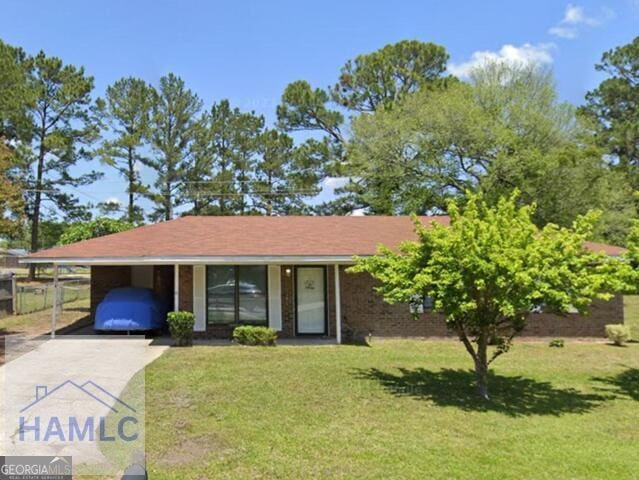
130	308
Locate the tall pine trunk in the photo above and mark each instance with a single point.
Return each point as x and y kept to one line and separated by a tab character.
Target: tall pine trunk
35	220
168	204
269	196
131	175
168	194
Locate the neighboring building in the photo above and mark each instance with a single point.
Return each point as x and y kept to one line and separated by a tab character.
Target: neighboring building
9	258
285	272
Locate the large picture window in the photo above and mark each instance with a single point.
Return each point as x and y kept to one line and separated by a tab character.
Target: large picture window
237	294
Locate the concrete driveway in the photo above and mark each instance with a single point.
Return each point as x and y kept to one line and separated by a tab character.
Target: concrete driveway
72	381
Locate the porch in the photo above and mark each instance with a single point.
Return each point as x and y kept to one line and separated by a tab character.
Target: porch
300	300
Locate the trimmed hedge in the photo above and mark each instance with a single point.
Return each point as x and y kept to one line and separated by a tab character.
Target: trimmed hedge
181	327
251	335
618	334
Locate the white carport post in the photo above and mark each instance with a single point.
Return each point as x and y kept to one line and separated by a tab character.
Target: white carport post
338	307
176	287
54	312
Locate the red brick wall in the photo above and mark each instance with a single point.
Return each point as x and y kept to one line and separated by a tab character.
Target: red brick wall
106	278
186	288
330	280
364	311
163	281
571	325
288	301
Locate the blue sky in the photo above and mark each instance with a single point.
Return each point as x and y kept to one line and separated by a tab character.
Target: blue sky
248	51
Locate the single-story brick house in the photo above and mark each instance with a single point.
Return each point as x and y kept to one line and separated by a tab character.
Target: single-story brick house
285	272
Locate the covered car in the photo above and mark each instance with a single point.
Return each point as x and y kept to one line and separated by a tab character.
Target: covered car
130	309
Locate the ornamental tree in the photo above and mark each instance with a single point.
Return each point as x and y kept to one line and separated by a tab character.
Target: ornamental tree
488	270
92	229
630	271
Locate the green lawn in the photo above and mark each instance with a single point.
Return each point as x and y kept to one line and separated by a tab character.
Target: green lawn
400	409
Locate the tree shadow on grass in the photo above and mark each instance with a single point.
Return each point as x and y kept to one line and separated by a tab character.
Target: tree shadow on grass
625	383
512	396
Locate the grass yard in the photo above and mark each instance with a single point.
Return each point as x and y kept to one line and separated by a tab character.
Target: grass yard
38	323
36	297
400	409
631	314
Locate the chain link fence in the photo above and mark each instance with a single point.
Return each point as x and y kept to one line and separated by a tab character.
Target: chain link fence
30	298
7	289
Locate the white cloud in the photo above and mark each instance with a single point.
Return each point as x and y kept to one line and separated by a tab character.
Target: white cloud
113	200
575	17
564	31
526	54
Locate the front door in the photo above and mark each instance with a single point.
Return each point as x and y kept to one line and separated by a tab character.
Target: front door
310	300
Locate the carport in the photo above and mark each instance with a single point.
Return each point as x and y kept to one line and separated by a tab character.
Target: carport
163	279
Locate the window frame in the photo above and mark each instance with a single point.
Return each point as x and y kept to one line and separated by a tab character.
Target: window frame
236	296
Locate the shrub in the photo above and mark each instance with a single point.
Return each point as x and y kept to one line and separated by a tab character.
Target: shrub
556	342
181	327
618	333
250	335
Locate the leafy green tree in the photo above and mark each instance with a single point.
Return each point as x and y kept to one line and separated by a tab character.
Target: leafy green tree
384	77
369	82
248	128
51	230
92	229
62	129
174	122
614	105
126	110
504	130
211	187
224	152
631	259
15	95
488	270
113	209
306	109
282	177
15	100
11	201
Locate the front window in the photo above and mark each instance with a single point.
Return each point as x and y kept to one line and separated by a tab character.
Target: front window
236	294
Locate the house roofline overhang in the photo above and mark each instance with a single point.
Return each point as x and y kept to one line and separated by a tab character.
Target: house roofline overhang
195	260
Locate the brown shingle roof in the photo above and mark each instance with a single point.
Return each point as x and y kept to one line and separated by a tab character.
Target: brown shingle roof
247	236
604	248
254	236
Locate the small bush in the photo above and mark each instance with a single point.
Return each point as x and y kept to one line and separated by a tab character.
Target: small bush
557	343
250	335
618	333
181	327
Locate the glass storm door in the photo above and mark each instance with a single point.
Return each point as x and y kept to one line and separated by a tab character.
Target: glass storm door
310	297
